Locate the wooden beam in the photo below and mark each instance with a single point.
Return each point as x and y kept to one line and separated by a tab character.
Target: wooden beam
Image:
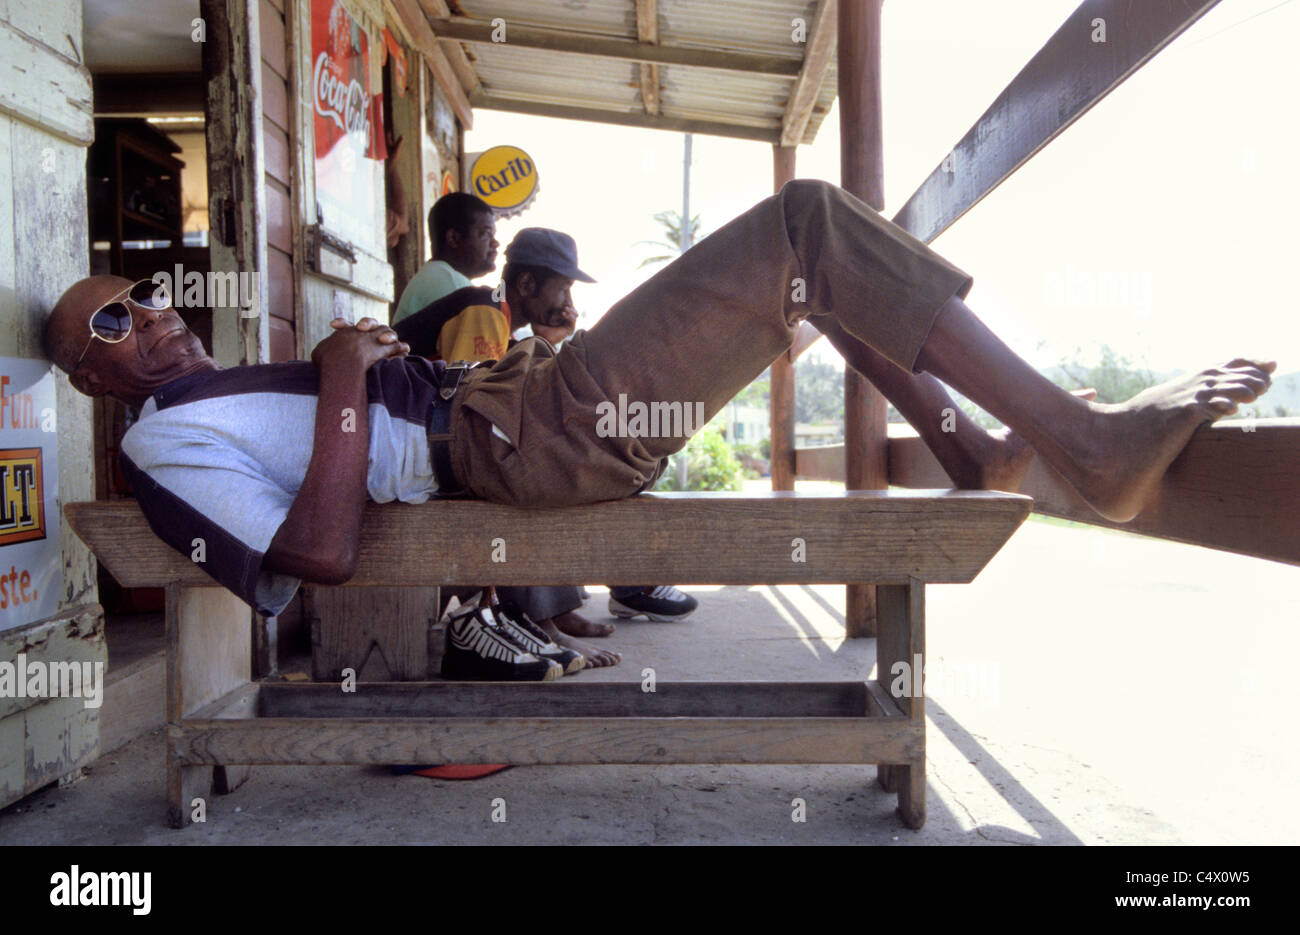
816	62
1063	80
183	782
902	641
460	63
417	24
781	374
1230	489
624	118
826	462
555	40
806	337
647	31
650	88
44	88
862	174
236	142
868	536
322	699
381	634
542	740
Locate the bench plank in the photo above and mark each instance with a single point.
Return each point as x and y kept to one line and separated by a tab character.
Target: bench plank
548	741
858	537
570	698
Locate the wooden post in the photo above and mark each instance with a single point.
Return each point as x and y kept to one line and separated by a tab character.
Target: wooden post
209	652
782	372
232	73
902	641
862	174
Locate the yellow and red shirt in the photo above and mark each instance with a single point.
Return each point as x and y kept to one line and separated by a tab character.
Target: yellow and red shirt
468	325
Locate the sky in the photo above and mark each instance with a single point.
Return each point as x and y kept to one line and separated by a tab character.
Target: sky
1163	223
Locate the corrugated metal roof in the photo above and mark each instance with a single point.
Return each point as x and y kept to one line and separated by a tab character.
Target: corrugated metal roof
598	17
580	80
750	25
746	103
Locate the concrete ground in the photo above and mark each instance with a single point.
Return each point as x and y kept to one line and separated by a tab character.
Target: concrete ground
1090	687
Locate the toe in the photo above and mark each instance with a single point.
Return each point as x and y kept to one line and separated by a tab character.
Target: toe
1268	366
1242	391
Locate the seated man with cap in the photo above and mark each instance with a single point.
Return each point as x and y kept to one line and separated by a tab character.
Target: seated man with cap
475	324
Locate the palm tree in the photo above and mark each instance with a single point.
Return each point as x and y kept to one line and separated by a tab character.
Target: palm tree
672	222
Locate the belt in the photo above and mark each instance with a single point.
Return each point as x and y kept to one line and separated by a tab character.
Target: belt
440	436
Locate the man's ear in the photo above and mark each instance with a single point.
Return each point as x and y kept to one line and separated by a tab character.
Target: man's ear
527	285
88	382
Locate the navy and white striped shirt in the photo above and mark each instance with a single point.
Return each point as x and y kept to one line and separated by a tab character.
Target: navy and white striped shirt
219	456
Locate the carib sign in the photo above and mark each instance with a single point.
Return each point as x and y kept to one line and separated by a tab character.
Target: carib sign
505	177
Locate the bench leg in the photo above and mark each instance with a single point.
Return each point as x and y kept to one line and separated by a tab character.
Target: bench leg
885	777
900	618
209	653
184	785
911	794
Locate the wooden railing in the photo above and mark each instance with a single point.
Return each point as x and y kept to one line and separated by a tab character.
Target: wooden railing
1074	70
1234	488
1237	485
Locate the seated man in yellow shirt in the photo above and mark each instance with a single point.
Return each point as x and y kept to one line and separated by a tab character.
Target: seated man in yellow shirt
475	323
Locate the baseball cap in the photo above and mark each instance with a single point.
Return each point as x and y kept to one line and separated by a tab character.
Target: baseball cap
541	246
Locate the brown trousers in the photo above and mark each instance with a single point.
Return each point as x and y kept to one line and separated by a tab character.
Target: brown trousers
696	333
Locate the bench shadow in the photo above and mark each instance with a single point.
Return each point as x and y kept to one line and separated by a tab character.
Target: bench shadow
1027	805
1037	815
814	638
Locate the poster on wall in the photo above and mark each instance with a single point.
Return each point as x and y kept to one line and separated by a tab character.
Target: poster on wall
31	561
348	124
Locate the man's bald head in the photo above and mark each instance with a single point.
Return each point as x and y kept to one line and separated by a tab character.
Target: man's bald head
160	348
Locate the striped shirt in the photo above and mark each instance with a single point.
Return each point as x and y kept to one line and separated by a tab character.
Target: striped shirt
467	324
217	458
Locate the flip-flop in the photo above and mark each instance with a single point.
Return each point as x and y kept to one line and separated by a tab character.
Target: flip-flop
453	771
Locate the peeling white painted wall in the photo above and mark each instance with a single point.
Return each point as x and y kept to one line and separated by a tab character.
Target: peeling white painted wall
45	127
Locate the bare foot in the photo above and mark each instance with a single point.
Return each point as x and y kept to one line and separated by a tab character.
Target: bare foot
1117	466
596	658
995	459
574	624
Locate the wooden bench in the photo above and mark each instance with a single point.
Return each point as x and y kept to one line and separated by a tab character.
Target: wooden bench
219	720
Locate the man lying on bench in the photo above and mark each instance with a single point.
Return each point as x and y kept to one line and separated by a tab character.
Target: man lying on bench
271	465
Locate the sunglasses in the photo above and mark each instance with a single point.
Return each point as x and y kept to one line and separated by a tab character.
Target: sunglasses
112	321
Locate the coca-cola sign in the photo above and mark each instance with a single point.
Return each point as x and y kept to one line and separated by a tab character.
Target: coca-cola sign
346	104
340	80
347	124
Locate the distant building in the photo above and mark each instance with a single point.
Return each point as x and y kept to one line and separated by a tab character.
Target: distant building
746	425
807	435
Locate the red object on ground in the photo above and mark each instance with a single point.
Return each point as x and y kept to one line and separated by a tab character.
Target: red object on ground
474	771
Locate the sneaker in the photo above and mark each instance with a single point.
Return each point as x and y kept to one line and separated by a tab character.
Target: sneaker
525	631
661	604
480	650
